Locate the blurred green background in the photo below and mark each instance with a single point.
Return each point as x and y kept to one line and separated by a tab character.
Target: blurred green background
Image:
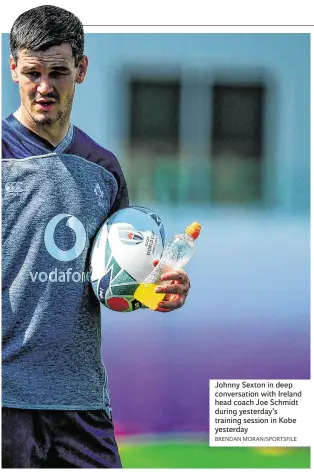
199	455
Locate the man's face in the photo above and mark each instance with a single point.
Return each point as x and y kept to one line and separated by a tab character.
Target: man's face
47	82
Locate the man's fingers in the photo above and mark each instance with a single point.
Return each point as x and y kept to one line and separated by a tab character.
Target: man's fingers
175	292
173	304
174	288
180	276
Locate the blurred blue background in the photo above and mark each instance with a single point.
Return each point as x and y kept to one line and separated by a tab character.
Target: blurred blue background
212	128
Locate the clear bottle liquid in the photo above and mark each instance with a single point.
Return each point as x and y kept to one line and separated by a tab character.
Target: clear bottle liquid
176	254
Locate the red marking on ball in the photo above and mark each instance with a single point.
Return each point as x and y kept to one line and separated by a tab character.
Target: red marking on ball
118	304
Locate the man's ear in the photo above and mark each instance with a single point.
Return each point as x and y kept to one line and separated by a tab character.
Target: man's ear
82	69
13	70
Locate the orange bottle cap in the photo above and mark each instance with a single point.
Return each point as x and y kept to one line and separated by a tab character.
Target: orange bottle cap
193	230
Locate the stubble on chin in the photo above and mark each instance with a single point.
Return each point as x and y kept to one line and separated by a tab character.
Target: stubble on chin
50	121
61	117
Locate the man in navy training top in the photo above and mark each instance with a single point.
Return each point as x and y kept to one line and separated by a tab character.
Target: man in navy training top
56	407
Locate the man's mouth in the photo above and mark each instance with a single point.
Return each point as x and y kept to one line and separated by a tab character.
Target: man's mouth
45	104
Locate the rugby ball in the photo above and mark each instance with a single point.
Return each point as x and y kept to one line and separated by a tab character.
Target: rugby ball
122	256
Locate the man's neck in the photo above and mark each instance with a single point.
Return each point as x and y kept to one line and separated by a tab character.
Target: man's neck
53	133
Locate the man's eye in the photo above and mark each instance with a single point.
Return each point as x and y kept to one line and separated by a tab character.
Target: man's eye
56	73
33	74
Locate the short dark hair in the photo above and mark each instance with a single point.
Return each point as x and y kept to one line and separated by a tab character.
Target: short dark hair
43	27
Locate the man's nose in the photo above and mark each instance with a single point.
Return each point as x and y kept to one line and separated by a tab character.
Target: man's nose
44	85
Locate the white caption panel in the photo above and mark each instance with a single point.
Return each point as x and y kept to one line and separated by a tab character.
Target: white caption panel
259	413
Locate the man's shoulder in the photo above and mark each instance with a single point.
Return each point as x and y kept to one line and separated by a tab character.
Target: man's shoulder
6	138
8	132
12	143
85	146
5	128
19	142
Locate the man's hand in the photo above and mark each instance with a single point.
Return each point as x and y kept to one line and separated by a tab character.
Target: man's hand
176	291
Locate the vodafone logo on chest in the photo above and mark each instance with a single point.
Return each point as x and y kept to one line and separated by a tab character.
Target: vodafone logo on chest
70	222
69	230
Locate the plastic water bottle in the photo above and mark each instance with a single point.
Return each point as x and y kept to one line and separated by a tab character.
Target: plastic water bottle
176	254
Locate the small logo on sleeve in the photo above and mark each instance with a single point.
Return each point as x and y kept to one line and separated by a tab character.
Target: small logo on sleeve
99	194
14	187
